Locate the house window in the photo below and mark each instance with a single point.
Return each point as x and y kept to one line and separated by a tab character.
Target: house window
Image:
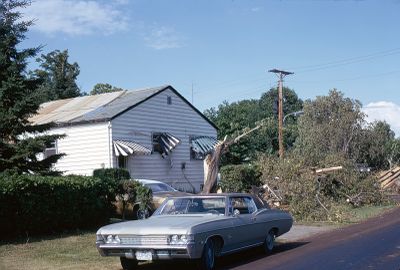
169	100
50	150
156	142
196	155
164	143
122	161
201	146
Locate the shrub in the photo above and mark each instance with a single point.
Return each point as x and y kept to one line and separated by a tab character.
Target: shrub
144	197
32	204
318	197
116	174
239	178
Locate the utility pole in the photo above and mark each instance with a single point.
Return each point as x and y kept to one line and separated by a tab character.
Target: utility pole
281	74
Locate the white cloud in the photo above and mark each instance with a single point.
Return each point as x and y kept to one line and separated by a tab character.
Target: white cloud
162	37
384	111
71	17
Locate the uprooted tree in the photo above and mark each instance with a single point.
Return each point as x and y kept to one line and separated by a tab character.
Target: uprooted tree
212	160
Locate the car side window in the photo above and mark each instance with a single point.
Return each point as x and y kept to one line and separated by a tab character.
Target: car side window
245	205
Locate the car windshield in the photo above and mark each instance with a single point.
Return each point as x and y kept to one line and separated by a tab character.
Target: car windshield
179	206
159	187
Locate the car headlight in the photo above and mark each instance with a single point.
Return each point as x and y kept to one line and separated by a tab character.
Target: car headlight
113	239
180	239
109	239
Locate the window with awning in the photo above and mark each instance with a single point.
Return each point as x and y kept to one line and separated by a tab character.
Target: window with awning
200	146
125	148
164	143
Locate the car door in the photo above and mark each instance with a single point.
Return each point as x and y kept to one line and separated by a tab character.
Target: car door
244	225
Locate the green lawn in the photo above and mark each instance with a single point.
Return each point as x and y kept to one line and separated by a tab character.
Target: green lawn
365	212
76	251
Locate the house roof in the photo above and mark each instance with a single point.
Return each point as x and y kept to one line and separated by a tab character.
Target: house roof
98	108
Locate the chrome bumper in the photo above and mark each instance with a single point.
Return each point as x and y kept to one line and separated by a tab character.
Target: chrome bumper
159	252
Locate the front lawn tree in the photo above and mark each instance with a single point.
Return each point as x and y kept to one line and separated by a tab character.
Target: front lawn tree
19	98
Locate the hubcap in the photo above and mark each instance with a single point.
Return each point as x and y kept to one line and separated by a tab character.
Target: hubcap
270	241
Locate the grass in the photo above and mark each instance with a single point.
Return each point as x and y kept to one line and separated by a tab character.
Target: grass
78	251
351	215
365	212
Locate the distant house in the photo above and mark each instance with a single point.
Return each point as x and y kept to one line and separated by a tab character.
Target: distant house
155	133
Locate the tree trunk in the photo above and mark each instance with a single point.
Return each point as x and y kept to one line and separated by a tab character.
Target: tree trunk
211	162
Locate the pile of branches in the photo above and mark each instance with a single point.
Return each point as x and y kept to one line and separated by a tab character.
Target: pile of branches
312	194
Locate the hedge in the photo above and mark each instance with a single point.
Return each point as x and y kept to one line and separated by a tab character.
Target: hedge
239	178
115	174
42	204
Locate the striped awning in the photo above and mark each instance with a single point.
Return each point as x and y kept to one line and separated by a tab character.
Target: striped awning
203	144
166	142
125	148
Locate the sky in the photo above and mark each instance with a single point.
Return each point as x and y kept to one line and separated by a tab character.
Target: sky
211	51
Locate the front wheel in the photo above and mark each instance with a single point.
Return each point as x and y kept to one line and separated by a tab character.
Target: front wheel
269	242
207	260
128	264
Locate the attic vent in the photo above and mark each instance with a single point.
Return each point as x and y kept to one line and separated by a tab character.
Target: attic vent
169	100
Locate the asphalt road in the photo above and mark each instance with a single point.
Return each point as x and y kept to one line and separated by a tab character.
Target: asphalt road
371	245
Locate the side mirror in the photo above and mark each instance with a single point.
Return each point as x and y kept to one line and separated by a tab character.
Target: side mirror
236	212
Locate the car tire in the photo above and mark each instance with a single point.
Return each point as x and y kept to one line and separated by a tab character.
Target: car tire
269	242
207	260
128	264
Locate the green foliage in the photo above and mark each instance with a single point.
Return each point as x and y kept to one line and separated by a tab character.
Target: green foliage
19	99
144	197
101	88
312	197
377	146
239	178
42	204
115	174
233	118
58	76
126	193
329	125
125	189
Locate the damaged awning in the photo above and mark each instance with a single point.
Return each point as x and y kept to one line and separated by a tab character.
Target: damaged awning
203	145
164	143
125	148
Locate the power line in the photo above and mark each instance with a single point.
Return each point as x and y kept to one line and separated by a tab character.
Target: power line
351	78
348	61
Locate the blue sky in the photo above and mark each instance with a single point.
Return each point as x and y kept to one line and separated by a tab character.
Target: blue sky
224	48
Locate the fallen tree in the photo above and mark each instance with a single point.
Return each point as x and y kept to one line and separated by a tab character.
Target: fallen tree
212	160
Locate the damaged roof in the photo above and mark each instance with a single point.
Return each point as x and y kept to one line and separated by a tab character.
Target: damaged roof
98	108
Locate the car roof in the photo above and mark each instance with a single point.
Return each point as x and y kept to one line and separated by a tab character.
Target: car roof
149	181
218	195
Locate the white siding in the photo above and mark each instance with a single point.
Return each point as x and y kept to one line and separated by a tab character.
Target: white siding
179	119
86	147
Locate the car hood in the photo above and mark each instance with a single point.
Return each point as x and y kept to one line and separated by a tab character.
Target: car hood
168	224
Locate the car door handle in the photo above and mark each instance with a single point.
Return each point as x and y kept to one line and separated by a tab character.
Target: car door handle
253	218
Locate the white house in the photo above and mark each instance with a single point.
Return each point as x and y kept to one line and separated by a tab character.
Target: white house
155	133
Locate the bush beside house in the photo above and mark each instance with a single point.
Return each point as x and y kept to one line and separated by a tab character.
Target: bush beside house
32	204
239	178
